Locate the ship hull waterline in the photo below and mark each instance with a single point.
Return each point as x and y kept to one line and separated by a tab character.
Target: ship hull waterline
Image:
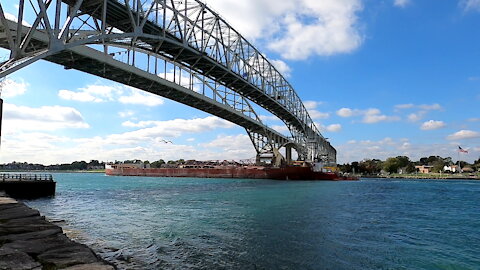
288	173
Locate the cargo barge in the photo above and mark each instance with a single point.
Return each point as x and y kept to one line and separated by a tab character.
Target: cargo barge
239	172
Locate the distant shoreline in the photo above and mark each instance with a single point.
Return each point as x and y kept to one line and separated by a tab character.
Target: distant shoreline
433	177
54	171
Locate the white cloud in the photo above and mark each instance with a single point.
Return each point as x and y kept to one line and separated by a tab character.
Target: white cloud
372	116
93	93
296	29
239	144
140	124
282	67
474	120
53	149
11	88
470	5
432	125
345	112
430	107
281	128
18	118
171	128
183	79
401	3
126	114
78	96
464	134
388	147
425	107
115	92
314	114
311	105
268	118
32	147
141	98
404	106
415	117
333	128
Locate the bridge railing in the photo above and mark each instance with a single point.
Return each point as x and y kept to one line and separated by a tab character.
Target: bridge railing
204	30
25	177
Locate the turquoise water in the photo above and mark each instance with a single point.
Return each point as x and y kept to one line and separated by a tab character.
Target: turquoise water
181	223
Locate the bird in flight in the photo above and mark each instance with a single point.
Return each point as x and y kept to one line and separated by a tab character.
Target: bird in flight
165	141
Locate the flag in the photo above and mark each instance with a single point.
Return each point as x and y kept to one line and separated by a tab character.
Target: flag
461	150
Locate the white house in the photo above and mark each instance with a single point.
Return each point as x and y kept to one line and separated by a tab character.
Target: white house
452	168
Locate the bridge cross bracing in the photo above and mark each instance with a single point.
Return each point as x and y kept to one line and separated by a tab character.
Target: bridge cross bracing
178	49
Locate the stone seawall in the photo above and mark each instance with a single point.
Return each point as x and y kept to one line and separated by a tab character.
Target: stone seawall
28	241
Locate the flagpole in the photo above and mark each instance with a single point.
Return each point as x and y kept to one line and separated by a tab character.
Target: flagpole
458	160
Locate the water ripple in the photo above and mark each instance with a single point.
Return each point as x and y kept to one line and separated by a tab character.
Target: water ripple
179	223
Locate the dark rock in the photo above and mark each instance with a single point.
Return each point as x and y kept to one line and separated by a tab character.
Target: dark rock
4	206
18	212
91	266
31	235
35	247
26	220
15	260
18	228
28	241
68	256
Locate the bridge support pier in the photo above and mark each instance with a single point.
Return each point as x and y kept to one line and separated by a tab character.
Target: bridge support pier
288	154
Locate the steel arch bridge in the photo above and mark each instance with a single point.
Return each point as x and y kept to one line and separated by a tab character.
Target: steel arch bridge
178	49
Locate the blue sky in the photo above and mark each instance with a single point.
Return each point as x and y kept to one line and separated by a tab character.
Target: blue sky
380	78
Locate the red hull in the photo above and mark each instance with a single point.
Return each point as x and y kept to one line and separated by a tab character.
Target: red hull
288	173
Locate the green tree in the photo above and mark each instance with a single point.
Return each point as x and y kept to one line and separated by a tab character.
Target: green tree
391	165
371	166
157	164
403	161
438	165
476	164
79	165
410	168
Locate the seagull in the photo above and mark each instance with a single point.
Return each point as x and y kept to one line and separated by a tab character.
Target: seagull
165	141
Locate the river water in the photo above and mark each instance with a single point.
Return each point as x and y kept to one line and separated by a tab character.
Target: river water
182	223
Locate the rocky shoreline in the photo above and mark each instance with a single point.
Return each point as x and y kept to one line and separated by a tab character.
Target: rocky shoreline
28	241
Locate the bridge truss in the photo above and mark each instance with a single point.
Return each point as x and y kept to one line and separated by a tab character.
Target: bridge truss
178	49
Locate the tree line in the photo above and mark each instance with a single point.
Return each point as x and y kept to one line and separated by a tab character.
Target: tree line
403	164
74	166
79	165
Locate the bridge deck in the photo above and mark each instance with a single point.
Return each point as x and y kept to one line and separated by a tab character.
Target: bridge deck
185	34
173	47
96	63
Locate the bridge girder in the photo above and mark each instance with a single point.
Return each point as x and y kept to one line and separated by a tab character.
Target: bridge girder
189	38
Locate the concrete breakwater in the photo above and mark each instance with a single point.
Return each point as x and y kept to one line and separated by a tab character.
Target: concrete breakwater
28	241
